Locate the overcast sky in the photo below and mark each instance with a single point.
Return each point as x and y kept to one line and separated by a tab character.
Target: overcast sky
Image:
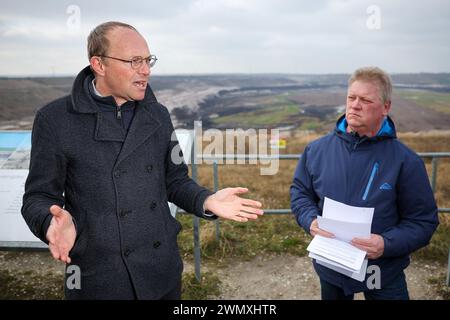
234	36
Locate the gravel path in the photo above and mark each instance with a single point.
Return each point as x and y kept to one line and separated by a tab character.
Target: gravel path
290	277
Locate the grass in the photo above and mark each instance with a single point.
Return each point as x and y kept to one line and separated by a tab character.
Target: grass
439	285
436	101
270	116
310	124
35	285
31	286
439	245
274	111
243	241
194	290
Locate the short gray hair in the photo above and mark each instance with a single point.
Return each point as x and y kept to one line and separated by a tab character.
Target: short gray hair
374	74
97	42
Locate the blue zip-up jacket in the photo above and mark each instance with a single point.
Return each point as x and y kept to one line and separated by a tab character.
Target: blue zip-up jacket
378	172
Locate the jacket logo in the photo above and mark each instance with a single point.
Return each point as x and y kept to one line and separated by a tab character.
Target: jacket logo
385	186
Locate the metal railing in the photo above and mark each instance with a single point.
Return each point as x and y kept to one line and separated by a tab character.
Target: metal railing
435	156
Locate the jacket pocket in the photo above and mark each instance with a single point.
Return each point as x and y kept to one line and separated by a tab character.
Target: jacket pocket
172	224
81	237
370	182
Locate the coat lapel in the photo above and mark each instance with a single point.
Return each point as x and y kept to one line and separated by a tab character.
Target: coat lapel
106	130
142	127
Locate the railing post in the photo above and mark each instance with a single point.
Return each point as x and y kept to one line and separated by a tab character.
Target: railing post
448	269
434	164
216	187
196	220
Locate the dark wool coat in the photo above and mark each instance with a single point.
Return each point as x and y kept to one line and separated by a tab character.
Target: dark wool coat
116	186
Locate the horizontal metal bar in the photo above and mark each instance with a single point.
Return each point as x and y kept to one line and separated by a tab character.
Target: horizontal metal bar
248	156
434	154
287	211
294	156
277	211
23	245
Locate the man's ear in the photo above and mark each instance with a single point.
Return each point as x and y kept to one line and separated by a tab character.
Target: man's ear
97	65
386	108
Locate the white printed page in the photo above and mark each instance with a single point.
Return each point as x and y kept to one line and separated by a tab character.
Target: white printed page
344	230
338	251
358	275
340	211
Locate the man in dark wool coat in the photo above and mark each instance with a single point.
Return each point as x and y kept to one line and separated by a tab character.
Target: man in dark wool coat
101	175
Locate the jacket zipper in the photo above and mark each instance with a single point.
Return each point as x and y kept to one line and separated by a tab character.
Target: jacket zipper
358	142
372	176
119	113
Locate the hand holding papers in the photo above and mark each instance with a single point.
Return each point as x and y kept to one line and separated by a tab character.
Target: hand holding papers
374	246
345	222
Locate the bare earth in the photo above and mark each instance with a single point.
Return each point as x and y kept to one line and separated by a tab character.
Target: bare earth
289	277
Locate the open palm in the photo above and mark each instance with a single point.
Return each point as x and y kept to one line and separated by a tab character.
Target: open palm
61	234
227	204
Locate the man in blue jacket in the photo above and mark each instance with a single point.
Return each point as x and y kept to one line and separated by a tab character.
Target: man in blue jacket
363	164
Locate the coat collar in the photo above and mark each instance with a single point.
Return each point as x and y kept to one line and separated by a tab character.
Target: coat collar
144	123
387	131
83	102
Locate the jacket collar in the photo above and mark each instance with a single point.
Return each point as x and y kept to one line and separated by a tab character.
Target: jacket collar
83	102
387	130
144	123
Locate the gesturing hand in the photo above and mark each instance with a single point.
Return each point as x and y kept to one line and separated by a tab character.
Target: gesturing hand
61	234
227	204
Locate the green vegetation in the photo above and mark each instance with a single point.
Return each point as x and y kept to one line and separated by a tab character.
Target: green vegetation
278	234
31	286
436	101
438	248
310	124
270	116
439	285
192	289
269	234
273	111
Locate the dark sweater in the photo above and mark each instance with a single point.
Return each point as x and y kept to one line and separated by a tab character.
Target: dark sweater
122	114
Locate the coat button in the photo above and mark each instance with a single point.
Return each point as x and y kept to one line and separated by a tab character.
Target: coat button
156	244
127	252
117	173
124	212
153	205
150	168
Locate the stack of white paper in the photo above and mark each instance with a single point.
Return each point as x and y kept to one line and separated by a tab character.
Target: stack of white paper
345	222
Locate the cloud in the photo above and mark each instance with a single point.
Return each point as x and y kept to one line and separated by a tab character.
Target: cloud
200	36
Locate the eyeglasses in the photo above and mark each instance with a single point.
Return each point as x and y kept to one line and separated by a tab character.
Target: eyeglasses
136	62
